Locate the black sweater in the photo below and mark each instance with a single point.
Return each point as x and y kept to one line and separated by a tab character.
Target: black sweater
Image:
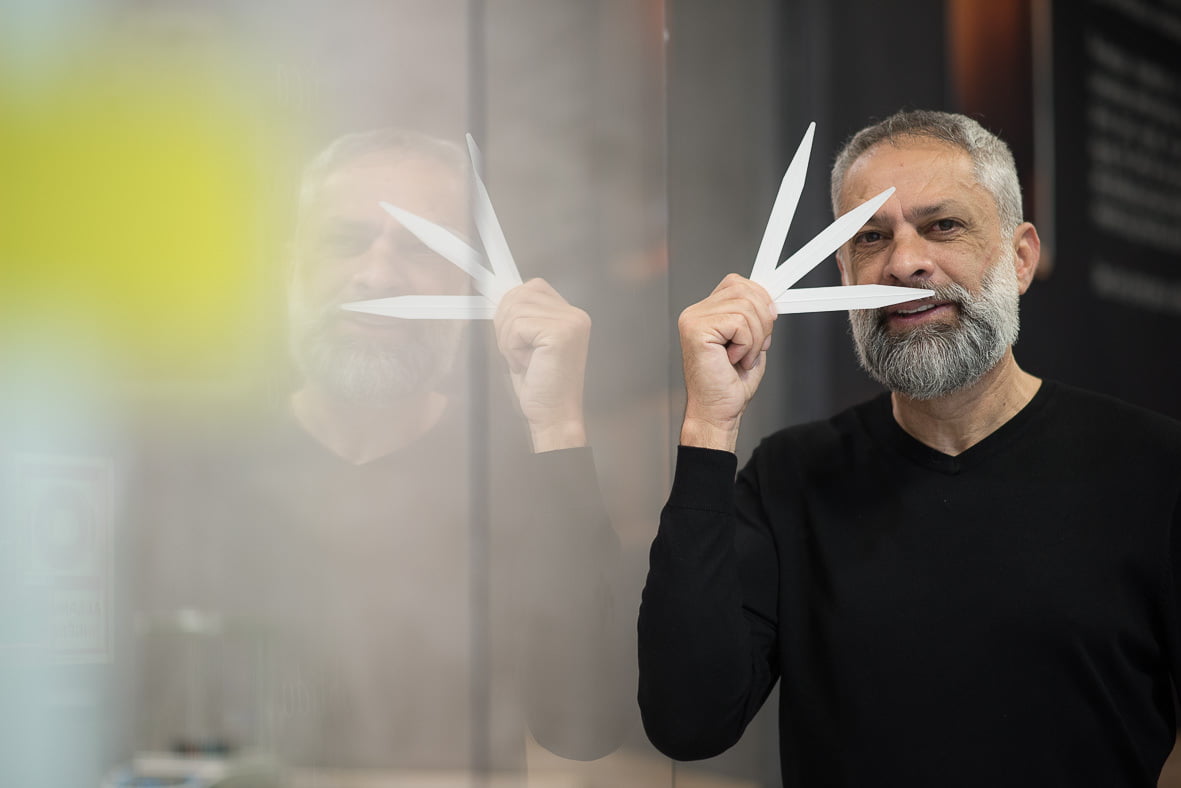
1007	616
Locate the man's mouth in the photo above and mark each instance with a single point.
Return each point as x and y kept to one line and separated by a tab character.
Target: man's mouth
359	322
363	318
916	311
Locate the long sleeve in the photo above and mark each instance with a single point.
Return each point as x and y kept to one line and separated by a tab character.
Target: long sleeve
565	569
707	629
914	605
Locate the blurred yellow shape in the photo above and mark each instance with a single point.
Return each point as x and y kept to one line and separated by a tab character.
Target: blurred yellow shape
134	218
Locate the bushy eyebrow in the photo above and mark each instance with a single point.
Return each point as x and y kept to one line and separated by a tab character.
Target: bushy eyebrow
354	227
924	212
919	214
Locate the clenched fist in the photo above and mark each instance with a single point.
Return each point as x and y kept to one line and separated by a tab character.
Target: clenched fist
724	340
545	341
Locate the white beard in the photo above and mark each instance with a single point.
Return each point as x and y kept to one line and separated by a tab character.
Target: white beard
368	369
934	360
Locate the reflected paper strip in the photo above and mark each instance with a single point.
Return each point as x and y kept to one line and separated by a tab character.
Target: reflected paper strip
427	307
504	268
449	246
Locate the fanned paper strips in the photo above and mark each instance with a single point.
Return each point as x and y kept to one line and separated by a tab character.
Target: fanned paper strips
779	279
492	283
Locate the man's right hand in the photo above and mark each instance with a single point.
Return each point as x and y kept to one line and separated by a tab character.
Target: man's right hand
724	341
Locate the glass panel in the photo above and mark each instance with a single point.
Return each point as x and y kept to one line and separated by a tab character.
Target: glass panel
574	144
251	538
726	154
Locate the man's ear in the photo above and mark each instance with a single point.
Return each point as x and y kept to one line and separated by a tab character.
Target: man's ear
1028	249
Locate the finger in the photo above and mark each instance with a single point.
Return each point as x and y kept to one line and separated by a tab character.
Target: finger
513	305
751	330
539	286
511	336
538	312
514	341
538	293
737	286
535	297
734	323
766	315
739	314
748	355
740	345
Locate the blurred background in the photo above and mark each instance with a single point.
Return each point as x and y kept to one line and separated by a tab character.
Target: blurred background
159	537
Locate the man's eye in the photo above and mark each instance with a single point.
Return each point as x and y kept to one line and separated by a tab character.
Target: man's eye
867	237
416	251
345	244
945	225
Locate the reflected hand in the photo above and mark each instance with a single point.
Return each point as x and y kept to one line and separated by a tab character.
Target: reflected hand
724	341
545	341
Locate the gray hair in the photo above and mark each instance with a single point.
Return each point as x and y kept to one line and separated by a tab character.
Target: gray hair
352	146
992	161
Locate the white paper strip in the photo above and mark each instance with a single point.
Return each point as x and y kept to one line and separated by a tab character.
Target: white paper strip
784	209
450	246
824	244
427	307
833	299
488	226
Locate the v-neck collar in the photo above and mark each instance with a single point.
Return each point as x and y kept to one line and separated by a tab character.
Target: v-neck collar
878	418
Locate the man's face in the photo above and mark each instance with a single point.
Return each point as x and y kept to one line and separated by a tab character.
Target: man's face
349	249
939	230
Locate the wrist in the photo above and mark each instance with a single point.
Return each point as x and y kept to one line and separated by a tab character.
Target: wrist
559	435
707	434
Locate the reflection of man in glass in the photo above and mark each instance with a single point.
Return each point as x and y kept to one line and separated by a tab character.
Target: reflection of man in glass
426	595
349	249
382	376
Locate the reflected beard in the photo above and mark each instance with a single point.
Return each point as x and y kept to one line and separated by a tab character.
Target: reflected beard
936	359
366	369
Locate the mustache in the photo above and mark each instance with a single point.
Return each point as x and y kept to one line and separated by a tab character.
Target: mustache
949	292
309	314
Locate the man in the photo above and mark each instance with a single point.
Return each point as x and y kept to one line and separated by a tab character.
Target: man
372	383
423	586
966	581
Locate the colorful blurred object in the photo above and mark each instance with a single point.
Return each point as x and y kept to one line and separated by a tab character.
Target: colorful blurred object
132	224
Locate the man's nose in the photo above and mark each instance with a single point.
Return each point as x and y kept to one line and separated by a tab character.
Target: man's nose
910	259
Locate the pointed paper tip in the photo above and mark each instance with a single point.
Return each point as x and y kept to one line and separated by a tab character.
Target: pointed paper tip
880	198
473	151
806	141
